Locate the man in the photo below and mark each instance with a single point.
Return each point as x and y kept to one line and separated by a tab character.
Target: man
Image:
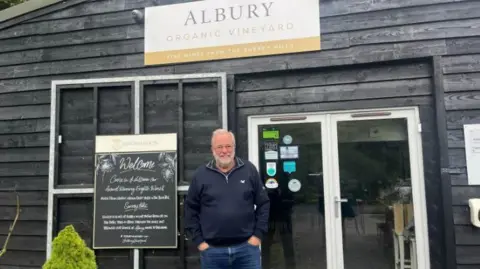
227	208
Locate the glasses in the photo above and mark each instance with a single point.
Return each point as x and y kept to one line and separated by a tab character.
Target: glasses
221	147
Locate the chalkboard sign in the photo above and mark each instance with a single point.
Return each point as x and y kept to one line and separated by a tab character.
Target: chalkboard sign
135	201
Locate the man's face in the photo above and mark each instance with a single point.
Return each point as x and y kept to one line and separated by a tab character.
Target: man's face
223	149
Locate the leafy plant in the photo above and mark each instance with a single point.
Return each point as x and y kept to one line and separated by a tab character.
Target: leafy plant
70	252
9	3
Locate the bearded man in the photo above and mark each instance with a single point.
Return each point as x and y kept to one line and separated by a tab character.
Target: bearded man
227	208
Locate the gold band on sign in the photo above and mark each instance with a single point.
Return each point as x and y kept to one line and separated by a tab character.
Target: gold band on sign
234	51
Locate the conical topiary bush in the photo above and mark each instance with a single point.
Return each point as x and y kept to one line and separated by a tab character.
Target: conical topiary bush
69	251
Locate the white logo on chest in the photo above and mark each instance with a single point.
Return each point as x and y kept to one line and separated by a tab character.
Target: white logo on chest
242	181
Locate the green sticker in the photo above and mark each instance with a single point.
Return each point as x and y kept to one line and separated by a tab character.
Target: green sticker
275	134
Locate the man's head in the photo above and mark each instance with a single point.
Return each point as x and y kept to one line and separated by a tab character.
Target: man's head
223	147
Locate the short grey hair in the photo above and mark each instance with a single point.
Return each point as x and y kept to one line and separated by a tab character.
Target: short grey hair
222	131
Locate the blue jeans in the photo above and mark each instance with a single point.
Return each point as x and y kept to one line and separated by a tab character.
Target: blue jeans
242	256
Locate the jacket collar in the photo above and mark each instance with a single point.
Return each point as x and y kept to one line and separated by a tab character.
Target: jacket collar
238	163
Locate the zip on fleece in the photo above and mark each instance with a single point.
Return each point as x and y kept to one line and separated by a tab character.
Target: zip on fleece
239	165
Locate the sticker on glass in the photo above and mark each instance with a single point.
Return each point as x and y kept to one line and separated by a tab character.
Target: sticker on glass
290	152
271	183
289	166
270	134
287	140
271	168
271	155
294	185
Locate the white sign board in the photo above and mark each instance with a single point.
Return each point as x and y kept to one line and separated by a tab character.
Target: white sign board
472	152
223	29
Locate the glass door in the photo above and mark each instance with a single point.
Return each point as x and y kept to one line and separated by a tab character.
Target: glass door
289	154
378	189
346	189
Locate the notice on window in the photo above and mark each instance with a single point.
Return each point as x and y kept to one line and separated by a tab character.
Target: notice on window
472	152
290	152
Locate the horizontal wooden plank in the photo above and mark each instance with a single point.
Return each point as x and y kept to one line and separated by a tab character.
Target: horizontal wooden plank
88	50
25	198
36	13
25	98
88	8
24	169
85	131
24	227
461	215
373	90
457	170
25	140
68	24
78	209
468	266
66	38
151	125
456	119
400	16
75	178
462	82
76	147
467	45
152	262
28	243
17	267
468	254
327	58
332	76
73	66
459	179
24	183
23	258
461	194
456	139
461	64
27	213
25	112
467	235
24	154
462	100
424	31
457	157
25	126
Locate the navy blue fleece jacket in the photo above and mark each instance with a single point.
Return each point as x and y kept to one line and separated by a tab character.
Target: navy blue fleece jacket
219	207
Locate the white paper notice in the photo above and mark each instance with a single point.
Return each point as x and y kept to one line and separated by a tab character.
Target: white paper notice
290	152
472	152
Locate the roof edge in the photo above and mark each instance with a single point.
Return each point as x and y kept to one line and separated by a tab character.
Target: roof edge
24	8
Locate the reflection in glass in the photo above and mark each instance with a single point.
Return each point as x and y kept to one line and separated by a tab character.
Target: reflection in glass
377	220
293	179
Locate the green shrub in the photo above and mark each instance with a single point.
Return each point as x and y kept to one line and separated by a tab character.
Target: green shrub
69	251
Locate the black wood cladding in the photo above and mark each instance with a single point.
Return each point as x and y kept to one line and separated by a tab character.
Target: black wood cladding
462	102
94	39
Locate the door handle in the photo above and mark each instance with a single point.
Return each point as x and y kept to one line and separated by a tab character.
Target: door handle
338	202
316	174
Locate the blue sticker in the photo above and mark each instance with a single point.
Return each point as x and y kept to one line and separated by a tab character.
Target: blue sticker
290	166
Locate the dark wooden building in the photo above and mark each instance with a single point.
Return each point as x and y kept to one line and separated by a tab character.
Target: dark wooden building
382	54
